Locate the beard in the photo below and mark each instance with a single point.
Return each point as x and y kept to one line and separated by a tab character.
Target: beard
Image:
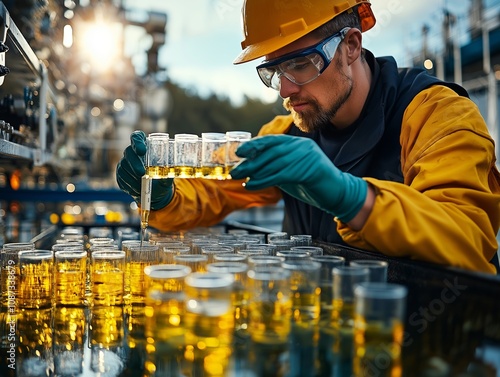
318	118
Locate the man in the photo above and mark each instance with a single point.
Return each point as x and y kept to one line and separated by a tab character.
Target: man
380	158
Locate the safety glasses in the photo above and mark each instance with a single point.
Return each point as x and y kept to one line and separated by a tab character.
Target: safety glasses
301	67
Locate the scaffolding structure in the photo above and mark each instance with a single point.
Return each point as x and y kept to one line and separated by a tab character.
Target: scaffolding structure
475	64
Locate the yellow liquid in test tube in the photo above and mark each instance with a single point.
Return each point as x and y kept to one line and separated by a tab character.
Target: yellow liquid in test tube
157	172
146	186
185	171
372	341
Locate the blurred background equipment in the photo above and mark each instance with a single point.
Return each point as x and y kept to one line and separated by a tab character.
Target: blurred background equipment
69	99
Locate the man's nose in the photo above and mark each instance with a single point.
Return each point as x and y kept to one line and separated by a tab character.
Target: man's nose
287	87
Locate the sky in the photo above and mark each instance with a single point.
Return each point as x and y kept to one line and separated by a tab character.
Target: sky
204	37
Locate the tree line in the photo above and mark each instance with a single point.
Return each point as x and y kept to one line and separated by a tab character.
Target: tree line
191	113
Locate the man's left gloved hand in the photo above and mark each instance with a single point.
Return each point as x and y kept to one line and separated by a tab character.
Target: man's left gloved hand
299	167
130	170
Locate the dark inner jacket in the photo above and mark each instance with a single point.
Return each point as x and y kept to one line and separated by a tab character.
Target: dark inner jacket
368	148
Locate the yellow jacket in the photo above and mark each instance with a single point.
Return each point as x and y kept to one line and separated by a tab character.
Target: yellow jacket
447	211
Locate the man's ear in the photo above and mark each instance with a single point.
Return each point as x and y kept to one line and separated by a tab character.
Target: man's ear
353	40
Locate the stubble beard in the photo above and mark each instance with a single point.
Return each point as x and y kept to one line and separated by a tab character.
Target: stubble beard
317	118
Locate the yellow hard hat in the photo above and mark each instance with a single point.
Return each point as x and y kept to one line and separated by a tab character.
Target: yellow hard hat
269	25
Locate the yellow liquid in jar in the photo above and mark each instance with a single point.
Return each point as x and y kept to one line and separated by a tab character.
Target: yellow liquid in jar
158	172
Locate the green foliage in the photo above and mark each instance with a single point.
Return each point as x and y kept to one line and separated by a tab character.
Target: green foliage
192	114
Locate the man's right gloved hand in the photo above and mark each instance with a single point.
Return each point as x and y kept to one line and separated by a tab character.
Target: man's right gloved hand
130	170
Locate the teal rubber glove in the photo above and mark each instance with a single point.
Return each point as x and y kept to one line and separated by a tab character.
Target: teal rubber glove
299	167
130	170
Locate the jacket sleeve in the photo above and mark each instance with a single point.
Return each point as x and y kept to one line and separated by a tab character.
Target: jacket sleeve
448	209
203	202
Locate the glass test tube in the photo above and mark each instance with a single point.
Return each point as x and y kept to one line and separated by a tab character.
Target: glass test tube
164	317
36	283
186	155
139	257
209	322
107	278
269	320
71	277
234	140
157	155
378	328
377	268
213	148
9	275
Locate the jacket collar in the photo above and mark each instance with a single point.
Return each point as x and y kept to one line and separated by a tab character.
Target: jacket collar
370	126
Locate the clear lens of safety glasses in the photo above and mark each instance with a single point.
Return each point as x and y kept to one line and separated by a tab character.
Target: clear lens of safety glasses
301	67
300	70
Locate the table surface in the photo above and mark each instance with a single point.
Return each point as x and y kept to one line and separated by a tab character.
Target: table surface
452	317
452	326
